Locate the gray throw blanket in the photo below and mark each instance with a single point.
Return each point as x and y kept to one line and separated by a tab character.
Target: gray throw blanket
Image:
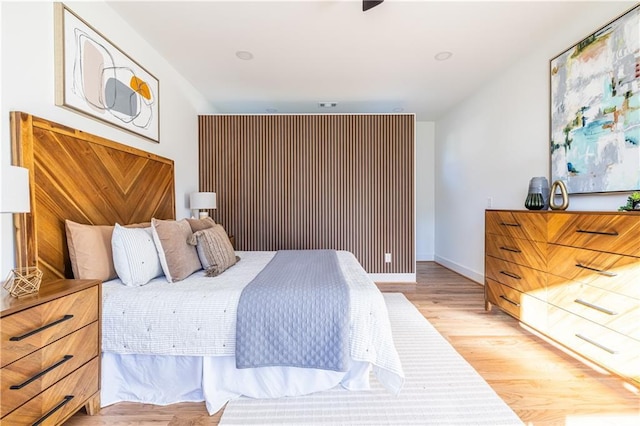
295	313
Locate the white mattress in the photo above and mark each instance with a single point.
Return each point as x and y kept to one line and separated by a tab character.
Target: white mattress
195	319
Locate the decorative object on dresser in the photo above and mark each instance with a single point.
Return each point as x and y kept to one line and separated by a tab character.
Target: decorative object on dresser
202	201
16	199
97	79
595	142
50	355
572	276
633	203
538	196
558	185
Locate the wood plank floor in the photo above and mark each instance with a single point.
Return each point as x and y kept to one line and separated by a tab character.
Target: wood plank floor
542	384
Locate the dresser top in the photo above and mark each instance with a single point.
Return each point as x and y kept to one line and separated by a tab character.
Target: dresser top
48	291
630	213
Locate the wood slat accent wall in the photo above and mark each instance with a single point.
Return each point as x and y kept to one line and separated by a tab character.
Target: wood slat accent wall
314	181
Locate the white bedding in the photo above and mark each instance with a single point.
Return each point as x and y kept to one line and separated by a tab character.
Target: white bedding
196	318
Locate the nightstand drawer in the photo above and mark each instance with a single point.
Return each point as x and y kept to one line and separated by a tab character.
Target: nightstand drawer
61	400
521	278
29	330
617	312
616	233
528	226
523	252
35	372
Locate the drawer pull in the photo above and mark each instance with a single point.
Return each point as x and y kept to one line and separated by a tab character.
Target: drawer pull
596	344
509	300
44	327
53	410
596	307
509	224
610	234
511	249
511	274
600	271
42	373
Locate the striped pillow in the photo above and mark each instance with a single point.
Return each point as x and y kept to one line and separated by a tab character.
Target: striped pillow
214	250
135	257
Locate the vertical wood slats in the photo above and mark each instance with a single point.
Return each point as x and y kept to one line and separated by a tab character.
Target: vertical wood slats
344	182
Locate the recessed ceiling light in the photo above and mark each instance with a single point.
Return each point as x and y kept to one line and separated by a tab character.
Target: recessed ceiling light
443	56
244	55
271	110
327	104
398	109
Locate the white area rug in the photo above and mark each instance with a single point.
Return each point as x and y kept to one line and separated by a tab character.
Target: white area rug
441	388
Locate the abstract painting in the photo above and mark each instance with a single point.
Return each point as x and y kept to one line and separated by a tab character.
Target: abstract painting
595	110
96	78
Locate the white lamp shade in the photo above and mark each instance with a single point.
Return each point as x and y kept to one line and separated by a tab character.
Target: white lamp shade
15	197
202	200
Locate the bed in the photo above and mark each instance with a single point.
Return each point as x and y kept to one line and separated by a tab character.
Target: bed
167	342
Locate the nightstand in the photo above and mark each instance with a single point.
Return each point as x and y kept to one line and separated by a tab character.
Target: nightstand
50	352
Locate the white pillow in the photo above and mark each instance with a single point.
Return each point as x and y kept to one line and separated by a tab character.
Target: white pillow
135	257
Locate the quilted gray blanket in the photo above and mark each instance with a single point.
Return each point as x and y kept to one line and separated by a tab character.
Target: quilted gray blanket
295	313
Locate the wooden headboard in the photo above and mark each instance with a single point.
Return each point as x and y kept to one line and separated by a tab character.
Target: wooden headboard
85	178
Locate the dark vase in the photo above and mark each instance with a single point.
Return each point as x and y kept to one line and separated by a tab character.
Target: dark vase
534	201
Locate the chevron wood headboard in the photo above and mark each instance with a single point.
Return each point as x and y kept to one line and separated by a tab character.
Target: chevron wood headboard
85	178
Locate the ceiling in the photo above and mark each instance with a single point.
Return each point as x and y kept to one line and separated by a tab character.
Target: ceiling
306	52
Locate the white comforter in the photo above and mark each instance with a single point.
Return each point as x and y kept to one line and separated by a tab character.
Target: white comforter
197	316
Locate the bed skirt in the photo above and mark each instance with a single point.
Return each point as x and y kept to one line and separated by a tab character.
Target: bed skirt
164	380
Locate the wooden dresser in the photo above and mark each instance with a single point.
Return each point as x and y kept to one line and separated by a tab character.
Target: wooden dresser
573	276
50	353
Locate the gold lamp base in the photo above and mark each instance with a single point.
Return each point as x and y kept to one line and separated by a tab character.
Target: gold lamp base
23	281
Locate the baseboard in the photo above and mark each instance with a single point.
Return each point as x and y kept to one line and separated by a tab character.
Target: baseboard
424	256
393	278
472	275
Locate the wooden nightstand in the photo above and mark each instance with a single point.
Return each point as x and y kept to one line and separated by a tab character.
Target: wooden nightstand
50	352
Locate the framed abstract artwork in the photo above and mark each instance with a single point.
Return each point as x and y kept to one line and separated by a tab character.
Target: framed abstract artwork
595	110
97	79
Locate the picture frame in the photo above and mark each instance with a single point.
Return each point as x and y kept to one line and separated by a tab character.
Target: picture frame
95	78
595	110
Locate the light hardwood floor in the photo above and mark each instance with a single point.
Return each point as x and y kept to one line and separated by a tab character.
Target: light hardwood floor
542	384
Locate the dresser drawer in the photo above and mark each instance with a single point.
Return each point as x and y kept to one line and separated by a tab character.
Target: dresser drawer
525	225
613	272
616	233
521	278
606	347
528	309
40	325
37	371
62	399
523	252
612	310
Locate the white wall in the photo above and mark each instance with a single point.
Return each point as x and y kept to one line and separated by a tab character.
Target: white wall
425	190
27	84
494	142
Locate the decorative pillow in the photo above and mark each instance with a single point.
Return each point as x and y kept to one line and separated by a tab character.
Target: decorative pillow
90	250
178	259
200	224
134	255
214	250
